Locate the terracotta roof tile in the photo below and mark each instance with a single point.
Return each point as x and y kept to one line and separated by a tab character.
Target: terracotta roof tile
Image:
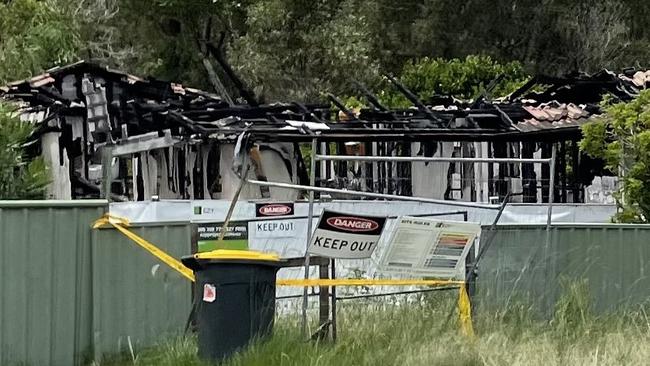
553	116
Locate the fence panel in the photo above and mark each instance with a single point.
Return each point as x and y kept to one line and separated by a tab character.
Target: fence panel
137	299
614	259
45	281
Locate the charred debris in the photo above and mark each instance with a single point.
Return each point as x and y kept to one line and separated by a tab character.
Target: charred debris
175	142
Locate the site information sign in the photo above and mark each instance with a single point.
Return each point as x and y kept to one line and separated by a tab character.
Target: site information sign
429	247
340	235
206	236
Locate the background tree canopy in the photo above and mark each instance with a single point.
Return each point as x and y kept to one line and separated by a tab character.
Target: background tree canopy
296	49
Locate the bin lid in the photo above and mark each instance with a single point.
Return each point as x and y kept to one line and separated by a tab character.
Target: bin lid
226	254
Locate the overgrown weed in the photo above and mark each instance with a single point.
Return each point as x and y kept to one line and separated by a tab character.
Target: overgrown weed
424	331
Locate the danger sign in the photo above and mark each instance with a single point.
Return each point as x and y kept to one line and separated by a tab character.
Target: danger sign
273	209
340	235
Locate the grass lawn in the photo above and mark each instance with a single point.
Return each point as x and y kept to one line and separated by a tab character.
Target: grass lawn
421	332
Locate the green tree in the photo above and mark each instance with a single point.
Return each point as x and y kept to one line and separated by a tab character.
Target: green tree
160	38
298	49
461	78
288	49
35	35
621	136
284	50
20	177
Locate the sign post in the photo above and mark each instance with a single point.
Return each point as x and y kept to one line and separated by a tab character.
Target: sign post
342	235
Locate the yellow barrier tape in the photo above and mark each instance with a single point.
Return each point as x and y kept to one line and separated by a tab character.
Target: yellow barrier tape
367	282
119	224
465	312
109	219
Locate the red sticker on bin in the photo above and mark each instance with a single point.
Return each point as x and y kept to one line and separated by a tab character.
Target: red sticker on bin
209	293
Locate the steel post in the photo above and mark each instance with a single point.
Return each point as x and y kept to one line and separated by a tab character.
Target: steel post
310	218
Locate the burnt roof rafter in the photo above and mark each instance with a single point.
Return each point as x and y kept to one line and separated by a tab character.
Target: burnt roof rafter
543	107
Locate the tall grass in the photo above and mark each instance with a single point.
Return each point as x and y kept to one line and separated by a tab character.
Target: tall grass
425	332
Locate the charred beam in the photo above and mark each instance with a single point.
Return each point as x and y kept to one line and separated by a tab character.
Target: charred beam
339	104
243	90
371	97
414	99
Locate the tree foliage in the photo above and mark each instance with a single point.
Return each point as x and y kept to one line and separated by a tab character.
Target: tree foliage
20	177
160	38
622	138
35	35
296	49
462	78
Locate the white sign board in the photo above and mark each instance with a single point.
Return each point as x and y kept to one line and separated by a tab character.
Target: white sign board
273	229
350	236
429	247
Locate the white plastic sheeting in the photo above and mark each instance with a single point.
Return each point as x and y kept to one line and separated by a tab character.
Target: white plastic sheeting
430	179
602	190
181	211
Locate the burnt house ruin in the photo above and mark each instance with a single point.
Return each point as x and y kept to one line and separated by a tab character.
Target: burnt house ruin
175	142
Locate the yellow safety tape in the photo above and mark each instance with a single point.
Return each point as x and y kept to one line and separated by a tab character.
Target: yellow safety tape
119	224
109	219
367	282
465	312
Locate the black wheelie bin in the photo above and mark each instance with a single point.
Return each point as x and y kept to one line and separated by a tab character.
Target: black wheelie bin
235	302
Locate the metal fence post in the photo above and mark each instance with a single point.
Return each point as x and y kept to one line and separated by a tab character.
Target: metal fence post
551	188
334	327
310	217
324	301
549	265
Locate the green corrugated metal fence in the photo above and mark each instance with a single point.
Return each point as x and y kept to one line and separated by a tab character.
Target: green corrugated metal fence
136	298
45	282
70	294
613	259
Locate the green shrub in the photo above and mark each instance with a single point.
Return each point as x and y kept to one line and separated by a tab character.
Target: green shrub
20	177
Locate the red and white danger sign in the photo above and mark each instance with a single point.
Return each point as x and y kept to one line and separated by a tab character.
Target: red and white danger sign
209	293
351	236
273	209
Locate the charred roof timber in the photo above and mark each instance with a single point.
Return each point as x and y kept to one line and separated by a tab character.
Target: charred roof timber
542	106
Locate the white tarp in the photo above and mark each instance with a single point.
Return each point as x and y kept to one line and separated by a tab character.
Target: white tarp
181	211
